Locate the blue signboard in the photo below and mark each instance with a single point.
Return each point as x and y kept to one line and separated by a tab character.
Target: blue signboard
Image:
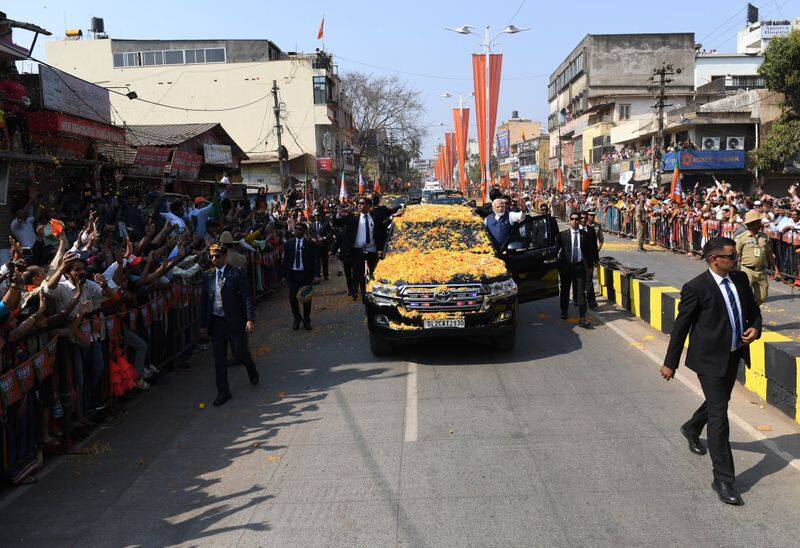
705	159
502	144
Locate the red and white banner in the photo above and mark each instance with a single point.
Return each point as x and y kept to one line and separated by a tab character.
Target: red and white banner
151	160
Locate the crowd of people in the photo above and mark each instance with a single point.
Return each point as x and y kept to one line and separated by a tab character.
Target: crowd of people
628	153
99	295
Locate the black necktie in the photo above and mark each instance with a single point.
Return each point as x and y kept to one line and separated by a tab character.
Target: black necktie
737	321
297	252
575	246
366	225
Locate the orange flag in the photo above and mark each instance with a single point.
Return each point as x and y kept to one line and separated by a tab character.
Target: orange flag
676	192
321	31
376	188
461	119
560	179
539	180
587	180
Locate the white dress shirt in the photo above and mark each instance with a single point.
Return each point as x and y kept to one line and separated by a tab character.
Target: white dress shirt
297	264
219	279
361	233
573	234
735	344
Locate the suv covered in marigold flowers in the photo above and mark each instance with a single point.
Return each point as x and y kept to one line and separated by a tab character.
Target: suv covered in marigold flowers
441	277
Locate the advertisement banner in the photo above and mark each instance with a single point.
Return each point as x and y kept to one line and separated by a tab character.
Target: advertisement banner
71	95
705	159
185	165
503	144
151	161
53	122
217	154
324	165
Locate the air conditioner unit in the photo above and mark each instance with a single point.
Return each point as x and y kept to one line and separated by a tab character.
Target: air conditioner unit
711	143
734	143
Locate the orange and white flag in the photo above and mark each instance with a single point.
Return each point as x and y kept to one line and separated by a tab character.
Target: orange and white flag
321	31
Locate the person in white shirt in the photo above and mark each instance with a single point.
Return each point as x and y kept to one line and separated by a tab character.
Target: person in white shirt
175	216
22	226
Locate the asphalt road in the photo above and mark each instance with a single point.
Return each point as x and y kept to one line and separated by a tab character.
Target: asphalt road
781	311
570	440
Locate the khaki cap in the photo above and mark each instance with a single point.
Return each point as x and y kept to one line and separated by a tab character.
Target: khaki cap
752	216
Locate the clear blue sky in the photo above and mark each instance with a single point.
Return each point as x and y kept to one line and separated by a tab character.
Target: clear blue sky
409	36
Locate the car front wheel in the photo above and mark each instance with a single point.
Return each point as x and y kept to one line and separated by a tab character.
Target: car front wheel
379	345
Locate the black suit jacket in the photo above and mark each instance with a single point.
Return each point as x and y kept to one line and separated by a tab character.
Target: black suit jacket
237	301
381	216
311	264
703	314
588	248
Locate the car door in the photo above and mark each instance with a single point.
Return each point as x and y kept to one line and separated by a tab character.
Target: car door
531	256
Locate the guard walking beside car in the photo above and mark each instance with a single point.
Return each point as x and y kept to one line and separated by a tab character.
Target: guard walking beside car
719	310
577	252
227	314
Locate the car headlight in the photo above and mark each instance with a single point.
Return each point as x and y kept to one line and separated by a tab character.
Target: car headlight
383	290
506	288
382	294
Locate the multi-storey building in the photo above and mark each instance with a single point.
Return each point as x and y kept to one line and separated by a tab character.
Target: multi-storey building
230	82
605	80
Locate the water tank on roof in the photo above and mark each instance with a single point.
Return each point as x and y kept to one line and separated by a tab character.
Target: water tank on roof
98	27
514	115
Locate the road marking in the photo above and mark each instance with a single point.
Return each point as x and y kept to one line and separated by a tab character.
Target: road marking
739	421
411	403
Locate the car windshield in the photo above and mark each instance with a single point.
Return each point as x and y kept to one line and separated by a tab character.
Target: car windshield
434	227
448	199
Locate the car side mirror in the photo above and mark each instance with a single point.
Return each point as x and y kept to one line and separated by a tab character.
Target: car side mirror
515	246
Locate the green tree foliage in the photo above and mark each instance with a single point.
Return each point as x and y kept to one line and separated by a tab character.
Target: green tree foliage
781	72
781	144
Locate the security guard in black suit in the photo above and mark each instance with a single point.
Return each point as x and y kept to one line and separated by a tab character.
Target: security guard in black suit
227	313
578	252
301	268
720	311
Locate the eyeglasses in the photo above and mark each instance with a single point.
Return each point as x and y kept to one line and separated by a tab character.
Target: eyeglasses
731	257
574	219
217	256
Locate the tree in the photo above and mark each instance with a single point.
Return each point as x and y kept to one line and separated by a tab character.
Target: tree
387	114
781	72
780	146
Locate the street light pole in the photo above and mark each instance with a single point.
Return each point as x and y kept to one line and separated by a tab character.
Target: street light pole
486	43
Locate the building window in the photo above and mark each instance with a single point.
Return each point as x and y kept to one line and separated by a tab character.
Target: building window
624	112
215	55
747	82
133	59
190	55
322	90
173	57
119	60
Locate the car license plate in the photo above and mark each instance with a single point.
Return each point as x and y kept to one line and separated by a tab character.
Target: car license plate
444	324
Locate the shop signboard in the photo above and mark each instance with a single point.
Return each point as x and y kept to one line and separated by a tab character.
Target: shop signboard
217	154
775	31
65	93
642	170
705	159
53	122
151	161
185	165
324	165
529	169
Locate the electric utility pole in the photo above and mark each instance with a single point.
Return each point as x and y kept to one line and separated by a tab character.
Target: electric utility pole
660	78
278	131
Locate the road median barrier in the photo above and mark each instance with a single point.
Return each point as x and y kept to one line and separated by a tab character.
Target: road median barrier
774	374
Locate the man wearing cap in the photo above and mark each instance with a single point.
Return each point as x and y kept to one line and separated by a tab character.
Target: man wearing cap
235	258
227	313
755	254
640	216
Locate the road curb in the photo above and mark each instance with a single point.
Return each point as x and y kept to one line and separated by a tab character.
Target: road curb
774	374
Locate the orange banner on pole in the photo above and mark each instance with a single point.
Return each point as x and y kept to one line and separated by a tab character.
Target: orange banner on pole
479	80
461	124
495	70
676	192
559	179
448	155
539	180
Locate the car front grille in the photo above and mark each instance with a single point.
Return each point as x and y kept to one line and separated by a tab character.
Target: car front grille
437	298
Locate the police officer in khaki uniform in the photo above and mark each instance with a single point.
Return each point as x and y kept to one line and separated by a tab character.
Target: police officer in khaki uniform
640	216
753	249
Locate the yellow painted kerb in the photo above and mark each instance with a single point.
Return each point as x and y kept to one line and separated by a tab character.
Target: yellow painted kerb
755	377
655	304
